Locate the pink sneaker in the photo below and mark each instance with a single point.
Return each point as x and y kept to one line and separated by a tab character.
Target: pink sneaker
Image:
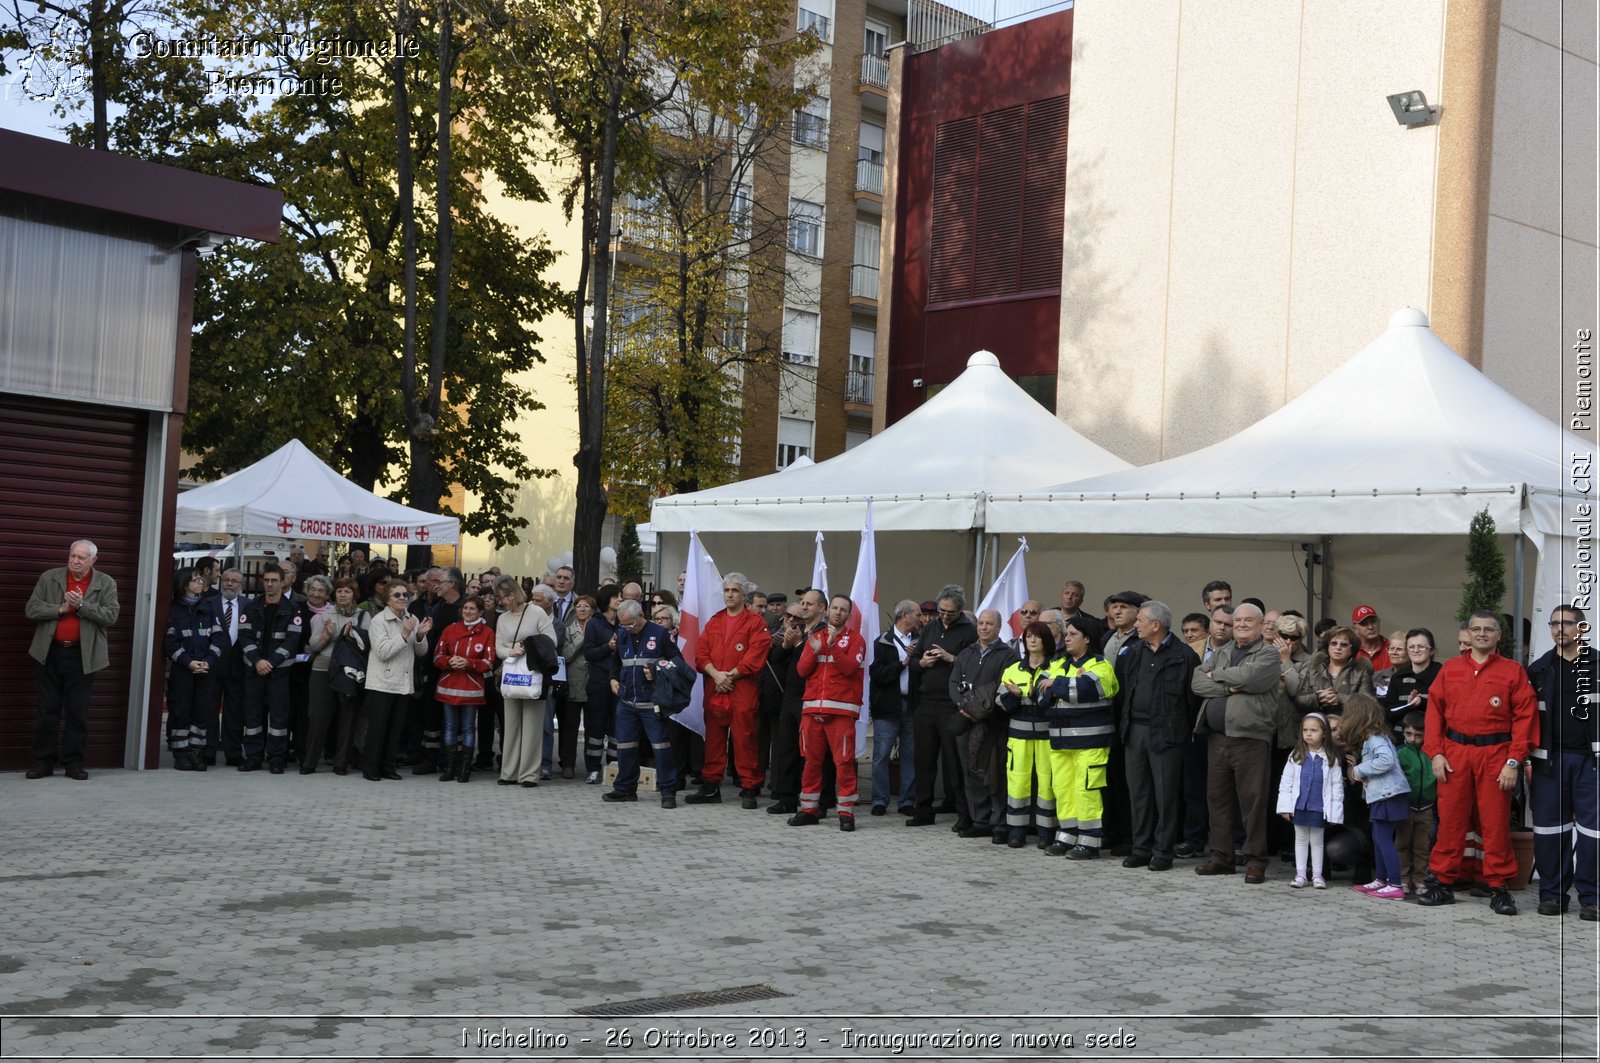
1370	888
1389	893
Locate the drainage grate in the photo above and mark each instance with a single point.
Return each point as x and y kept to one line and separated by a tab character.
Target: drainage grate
682	1002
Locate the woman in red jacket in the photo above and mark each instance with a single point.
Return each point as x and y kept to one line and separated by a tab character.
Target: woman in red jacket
464	656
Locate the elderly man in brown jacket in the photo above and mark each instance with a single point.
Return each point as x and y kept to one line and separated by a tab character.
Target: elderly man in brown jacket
72	607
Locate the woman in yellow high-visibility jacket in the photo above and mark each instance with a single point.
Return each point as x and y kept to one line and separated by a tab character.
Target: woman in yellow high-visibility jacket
1022	687
1081	725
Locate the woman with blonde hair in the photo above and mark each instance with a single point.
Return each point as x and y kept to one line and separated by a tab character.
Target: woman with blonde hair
522	740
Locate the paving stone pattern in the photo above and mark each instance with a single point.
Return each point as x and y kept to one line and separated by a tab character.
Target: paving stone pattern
170	914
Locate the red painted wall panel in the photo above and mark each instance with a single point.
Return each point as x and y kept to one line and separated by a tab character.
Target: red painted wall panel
1003	305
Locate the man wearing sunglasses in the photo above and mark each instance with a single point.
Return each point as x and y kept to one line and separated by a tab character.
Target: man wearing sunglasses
1566	767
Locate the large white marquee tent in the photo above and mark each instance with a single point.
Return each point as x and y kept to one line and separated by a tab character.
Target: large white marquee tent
1404	440
931	474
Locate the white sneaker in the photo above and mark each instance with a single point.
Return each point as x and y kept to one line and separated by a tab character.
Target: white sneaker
1318	882
1299	883
594	777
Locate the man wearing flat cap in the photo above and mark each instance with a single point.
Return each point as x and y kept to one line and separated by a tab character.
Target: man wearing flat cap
1123	608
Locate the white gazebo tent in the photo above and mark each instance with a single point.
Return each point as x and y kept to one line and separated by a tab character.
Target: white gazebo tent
930	473
290	493
1405	439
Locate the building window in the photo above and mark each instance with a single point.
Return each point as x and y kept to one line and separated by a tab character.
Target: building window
805	228
816	17
740	211
794	440
811	124
875	41
863	348
800	337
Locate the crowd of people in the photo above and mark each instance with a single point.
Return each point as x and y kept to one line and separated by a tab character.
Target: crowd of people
1233	733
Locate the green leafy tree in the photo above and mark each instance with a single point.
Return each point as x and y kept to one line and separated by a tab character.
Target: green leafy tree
1485	587
309	337
630	554
701	248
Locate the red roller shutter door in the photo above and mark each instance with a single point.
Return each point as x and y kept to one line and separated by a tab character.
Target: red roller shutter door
71	471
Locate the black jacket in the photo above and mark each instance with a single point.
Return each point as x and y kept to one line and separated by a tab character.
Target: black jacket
275	638
1165	674
933	684
1546	678
883	672
975	678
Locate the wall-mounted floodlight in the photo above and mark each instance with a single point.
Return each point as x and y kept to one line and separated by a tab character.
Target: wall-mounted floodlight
1411	108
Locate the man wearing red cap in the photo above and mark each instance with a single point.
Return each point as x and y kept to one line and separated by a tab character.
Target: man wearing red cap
1374	645
1482	724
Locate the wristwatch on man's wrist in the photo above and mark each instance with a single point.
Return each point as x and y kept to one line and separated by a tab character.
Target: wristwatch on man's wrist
1512	762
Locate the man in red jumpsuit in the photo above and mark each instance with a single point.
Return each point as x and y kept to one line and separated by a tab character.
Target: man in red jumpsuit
831	664
733	646
1482	724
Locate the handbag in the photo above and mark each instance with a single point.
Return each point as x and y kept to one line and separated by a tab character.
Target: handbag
517	681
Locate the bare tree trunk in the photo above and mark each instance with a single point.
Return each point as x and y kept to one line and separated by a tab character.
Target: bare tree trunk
589	520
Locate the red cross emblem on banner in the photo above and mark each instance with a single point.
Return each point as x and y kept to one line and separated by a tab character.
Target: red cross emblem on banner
422	532
284	524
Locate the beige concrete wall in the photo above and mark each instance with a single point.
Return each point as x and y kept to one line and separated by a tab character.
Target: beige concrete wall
1243	212
550	435
1540	260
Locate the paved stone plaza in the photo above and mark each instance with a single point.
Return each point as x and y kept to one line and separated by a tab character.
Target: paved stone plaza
289	917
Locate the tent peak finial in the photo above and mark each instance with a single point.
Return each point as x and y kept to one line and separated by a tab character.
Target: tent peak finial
983	358
1408	317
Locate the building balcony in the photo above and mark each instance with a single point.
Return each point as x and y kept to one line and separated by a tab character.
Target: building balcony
875	71
863	283
869	177
858	387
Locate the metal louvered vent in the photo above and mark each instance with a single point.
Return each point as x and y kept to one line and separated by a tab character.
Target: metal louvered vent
682	1002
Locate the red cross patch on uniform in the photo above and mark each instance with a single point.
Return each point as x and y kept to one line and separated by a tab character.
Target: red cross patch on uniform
650	644
1494	702
738	647
844	640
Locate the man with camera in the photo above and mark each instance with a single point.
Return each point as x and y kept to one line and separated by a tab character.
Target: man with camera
980	730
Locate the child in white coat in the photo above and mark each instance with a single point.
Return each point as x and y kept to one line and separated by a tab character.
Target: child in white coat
1311	795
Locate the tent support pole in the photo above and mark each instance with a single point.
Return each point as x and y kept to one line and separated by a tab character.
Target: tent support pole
1327	575
977	562
1311	583
1516	596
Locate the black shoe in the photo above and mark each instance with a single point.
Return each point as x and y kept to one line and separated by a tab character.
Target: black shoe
803	819
250	764
908	810
390	774
920	819
233	760
669	801
1015	839
448	772
181	761
1000	836
1057	849
530	784
1552	907
275	766
1185	851
1083	852
879	810
341	771
619	795
75	772
1588	913
1044	840
847	824
423	767
747	797
1136	860
306	769
706	795
973	831
39	771
1435	894
201	763
1500	902
1480	889
367	775
505	782
782	808
1161	863
960	825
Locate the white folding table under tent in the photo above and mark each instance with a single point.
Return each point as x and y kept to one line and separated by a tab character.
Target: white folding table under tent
1399	447
292	494
928	477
